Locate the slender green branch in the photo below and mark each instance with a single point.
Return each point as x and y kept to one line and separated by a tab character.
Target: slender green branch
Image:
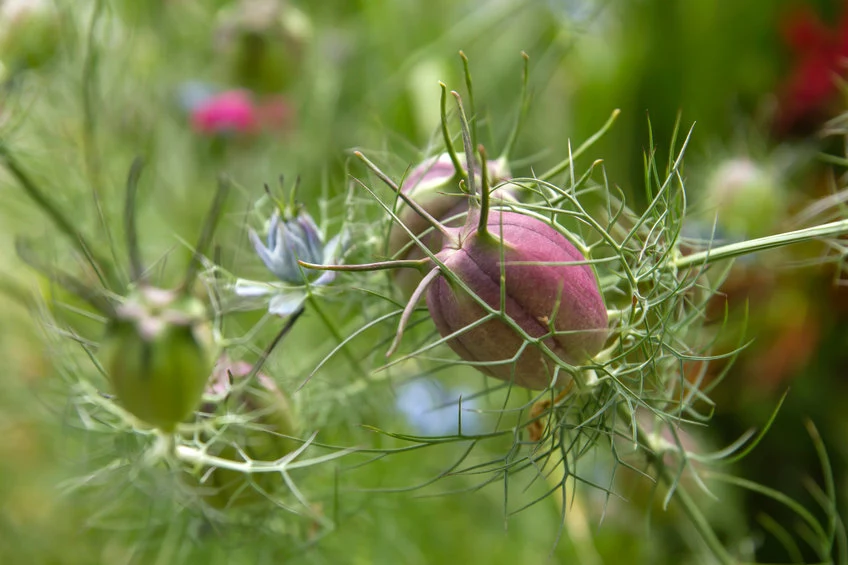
89	110
484	191
566	163
466	144
130	225
403	196
690	508
522	110
209	226
420	264
731	250
446	134
101	266
470	88
328	323
411	306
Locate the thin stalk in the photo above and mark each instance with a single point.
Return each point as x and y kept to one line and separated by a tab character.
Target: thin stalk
101	266
328	323
209	226
136	265
446	134
522	111
406	199
484	190
470	88
690	508
731	250
574	518
419	264
466	144
89	137
410	307
274	343
565	164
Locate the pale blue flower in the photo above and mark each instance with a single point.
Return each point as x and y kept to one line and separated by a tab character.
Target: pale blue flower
287	242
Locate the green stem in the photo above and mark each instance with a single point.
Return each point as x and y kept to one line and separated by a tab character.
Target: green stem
470	88
99	264
566	163
446	134
690	508
420	264
761	244
522	111
89	137
328	323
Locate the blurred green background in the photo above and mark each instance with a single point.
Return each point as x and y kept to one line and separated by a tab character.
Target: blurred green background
89	85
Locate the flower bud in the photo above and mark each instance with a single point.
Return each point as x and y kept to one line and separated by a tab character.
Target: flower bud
156	356
542	294
264	43
29	33
745	198
434	186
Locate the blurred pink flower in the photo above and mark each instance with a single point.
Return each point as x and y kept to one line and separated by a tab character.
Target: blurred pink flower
237	112
232	111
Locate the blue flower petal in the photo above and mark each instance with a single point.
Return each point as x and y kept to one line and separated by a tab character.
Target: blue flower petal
286	303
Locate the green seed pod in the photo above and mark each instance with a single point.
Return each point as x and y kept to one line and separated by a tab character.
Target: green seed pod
157	357
264	42
745	198
544	296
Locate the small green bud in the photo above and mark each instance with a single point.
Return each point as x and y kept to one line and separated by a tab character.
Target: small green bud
156	354
29	33
745	198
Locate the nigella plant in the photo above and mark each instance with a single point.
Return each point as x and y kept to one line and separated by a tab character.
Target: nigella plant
591	319
217	434
291	236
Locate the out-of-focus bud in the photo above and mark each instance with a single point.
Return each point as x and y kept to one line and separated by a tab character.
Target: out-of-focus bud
29	33
545	296
264	41
745	198
157	355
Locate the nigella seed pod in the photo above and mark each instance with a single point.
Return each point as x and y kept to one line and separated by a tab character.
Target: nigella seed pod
543	295
434	185
156	354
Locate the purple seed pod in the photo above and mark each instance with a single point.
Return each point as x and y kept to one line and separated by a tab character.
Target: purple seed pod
434	186
542	294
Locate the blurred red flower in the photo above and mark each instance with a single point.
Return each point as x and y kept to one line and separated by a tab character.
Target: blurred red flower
820	54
